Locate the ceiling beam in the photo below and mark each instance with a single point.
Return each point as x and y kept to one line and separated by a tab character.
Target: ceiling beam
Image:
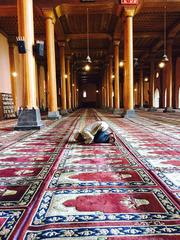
176	29
156	5
8	11
157	46
148	34
93	52
94	8
60	36
91	36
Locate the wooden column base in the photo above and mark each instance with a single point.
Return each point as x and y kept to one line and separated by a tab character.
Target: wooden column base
128	114
64	112
70	110
117	111
169	109
54	115
29	119
111	110
152	109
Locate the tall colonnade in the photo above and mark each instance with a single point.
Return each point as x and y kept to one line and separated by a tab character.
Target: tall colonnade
117	94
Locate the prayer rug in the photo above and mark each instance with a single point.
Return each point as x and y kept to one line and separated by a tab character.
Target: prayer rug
103	213
162	162
18	195
30	160
24	165
27	172
171	180
118	177
91	192
157	150
9	220
11	137
93	161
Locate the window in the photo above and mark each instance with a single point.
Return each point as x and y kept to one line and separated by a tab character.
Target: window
156	98
84	94
165	98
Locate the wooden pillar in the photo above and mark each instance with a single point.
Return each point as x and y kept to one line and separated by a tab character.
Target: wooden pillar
42	87
73	97
77	94
151	84
63	80
29	118
105	88
51	65
110	82
37	84
26	30
75	88
72	88
13	76
107	84
102	90
169	74
116	75
141	86
136	93
68	83
128	57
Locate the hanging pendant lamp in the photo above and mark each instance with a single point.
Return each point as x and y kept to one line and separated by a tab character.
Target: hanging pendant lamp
88	59
164	57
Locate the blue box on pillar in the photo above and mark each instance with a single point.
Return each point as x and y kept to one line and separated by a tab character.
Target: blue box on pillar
21	46
39	48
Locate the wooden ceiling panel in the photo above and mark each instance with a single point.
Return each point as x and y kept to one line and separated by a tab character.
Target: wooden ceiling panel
93	44
9	25
145	21
39	25
8	11
144	43
78	23
79	8
105	24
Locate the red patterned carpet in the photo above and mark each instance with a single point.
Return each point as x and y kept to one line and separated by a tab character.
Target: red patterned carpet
53	188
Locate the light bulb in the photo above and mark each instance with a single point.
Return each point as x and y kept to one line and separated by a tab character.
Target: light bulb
87	67
14	74
121	64
162	64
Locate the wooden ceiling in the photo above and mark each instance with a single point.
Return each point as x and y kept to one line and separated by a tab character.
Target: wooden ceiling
105	25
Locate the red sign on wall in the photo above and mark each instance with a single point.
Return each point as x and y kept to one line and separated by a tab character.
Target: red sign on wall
130	2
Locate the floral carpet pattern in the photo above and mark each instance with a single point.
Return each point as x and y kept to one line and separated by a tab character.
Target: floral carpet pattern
155	144
54	188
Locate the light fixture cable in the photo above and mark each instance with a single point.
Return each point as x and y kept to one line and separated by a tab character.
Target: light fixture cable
87	32
165	58
88	59
165	29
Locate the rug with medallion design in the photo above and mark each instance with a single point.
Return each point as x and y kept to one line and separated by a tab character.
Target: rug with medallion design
103	191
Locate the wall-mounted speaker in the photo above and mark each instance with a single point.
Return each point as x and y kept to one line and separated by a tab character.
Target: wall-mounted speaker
21	46
39	48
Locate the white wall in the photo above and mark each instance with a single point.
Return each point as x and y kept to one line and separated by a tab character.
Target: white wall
5	78
19	78
42	87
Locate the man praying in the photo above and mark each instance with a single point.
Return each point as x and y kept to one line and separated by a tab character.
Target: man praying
96	132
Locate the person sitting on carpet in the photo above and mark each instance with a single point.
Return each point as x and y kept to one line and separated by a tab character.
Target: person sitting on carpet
96	132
